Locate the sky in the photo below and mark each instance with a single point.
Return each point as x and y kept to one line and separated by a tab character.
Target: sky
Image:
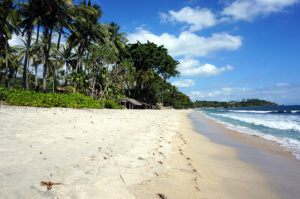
227	49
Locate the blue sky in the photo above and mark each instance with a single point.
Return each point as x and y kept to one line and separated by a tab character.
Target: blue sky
228	49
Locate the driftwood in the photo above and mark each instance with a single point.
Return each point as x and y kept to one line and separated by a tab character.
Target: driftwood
49	184
122	179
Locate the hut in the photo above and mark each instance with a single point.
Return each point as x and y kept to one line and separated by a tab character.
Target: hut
131	103
146	106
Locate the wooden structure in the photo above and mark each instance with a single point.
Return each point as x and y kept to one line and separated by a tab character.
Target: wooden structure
146	106
131	103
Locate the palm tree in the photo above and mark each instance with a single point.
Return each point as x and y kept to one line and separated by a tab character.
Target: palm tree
9	28
117	40
64	17
86	30
51	18
37	55
5	7
32	12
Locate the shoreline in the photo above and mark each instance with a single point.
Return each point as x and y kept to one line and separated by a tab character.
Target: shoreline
280	167
200	168
255	140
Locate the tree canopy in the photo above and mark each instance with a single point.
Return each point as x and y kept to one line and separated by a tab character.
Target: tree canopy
74	51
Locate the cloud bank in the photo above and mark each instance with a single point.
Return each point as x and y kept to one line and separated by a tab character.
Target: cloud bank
250	9
279	93
188	43
184	83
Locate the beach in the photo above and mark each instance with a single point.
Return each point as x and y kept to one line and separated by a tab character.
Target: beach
120	154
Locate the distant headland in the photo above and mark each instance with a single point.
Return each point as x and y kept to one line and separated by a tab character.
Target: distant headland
232	104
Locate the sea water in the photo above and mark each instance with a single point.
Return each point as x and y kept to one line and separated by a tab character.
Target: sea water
280	124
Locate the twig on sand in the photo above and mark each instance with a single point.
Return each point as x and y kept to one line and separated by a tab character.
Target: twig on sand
161	195
122	179
49	184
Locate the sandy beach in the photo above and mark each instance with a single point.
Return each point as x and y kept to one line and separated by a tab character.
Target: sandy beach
118	154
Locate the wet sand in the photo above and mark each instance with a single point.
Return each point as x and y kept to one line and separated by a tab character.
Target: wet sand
277	164
200	168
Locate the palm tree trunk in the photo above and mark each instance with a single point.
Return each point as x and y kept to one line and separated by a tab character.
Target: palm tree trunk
6	64
56	61
87	59
47	60
88	54
6	12
94	83
25	79
36	65
79	55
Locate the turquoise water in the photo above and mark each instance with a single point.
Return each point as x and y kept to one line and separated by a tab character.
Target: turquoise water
280	124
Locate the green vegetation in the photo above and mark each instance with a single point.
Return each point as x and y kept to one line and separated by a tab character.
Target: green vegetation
36	99
243	103
89	57
111	104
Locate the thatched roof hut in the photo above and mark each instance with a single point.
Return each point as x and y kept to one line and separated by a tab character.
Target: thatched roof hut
146	106
130	103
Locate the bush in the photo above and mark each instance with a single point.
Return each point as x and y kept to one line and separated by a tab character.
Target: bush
3	94
111	104
36	99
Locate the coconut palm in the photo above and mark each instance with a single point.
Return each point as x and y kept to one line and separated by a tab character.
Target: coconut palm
9	28
5	9
64	18
86	30
32	12
50	20
117	40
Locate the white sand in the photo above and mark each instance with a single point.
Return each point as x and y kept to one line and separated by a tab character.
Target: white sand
86	150
91	151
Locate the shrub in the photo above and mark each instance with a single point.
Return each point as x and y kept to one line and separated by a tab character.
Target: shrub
3	94
36	99
111	104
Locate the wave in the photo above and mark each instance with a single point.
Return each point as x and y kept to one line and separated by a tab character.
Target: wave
270	121
246	111
291	144
264	112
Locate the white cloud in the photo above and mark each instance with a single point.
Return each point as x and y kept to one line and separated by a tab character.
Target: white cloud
192	67
282	84
163	17
184	83
196	17
187	43
283	95
249	9
219	94
16	40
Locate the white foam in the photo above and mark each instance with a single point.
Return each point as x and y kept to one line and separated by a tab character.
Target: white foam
295	111
290	144
272	121
246	111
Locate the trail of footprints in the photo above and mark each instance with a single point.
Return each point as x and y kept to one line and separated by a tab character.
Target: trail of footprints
189	162
196	174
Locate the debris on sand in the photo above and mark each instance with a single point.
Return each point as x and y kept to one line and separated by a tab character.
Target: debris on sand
49	184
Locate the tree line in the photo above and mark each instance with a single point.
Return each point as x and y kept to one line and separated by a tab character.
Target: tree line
79	53
232	104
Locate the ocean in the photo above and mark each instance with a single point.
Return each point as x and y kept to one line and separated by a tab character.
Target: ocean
280	124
